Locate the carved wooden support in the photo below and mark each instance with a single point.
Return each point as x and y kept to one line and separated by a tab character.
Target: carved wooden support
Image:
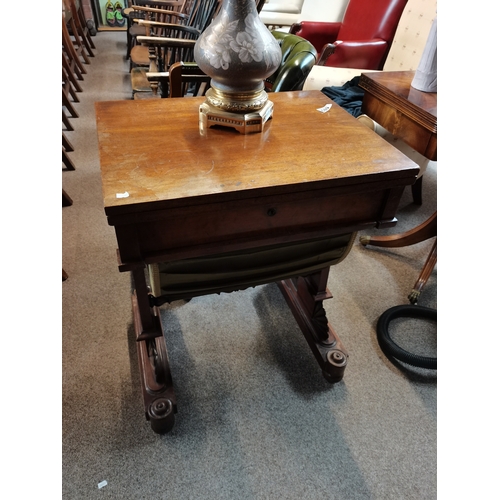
305	299
160	403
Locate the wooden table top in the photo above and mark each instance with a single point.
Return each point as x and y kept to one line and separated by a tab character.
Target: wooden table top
394	88
155	151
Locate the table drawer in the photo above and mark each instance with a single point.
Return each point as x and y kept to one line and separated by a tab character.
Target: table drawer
263	220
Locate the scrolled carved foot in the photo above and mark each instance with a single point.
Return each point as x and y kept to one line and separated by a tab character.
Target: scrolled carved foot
364	240
336	363
413	297
336	358
161	415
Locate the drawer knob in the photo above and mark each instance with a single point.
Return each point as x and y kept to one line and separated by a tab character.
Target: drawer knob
271	212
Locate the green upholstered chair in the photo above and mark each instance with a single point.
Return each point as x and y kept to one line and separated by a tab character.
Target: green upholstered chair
298	56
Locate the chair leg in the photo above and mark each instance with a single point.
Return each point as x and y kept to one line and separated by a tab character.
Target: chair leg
72	52
67	104
424	274
416	191
66	122
73	94
67	160
66	200
66	144
70	73
86	31
424	231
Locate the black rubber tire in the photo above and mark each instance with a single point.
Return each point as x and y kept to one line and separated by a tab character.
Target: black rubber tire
393	350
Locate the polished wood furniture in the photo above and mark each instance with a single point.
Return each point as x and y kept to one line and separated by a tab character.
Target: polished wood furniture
187	78
79	25
173	190
411	115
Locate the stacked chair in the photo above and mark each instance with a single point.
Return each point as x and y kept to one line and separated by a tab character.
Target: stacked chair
77	49
187	79
170	37
135	12
175	52
298	56
151	20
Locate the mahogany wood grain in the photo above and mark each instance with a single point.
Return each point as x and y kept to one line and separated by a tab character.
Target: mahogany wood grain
299	147
407	113
410	115
173	190
220	184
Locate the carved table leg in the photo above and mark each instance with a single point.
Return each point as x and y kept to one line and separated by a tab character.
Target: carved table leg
305	296
157	388
424	274
424	231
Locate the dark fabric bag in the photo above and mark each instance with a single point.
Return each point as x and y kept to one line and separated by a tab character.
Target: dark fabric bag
349	96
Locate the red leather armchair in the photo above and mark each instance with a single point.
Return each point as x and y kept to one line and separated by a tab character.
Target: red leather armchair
361	40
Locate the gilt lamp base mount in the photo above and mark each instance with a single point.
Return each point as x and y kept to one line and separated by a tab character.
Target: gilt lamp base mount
244	122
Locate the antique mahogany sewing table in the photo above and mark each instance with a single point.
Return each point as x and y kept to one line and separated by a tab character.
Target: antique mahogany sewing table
410	115
173	190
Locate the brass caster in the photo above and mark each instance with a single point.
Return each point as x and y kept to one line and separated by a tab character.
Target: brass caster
364	240
413	297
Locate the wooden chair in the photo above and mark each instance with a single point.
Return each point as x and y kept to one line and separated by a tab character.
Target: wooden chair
156	22
187	79
79	24
73	52
202	13
163	52
69	67
69	97
67	147
134	29
75	35
298	57
66	202
66	199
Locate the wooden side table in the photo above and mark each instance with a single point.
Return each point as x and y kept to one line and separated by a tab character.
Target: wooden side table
410	115
174	190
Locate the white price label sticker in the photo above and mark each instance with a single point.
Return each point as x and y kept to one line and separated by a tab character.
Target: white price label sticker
325	108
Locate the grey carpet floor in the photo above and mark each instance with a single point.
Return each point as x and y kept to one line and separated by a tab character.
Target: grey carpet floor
256	419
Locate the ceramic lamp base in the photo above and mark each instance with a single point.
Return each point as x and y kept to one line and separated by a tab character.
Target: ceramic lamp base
245	123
